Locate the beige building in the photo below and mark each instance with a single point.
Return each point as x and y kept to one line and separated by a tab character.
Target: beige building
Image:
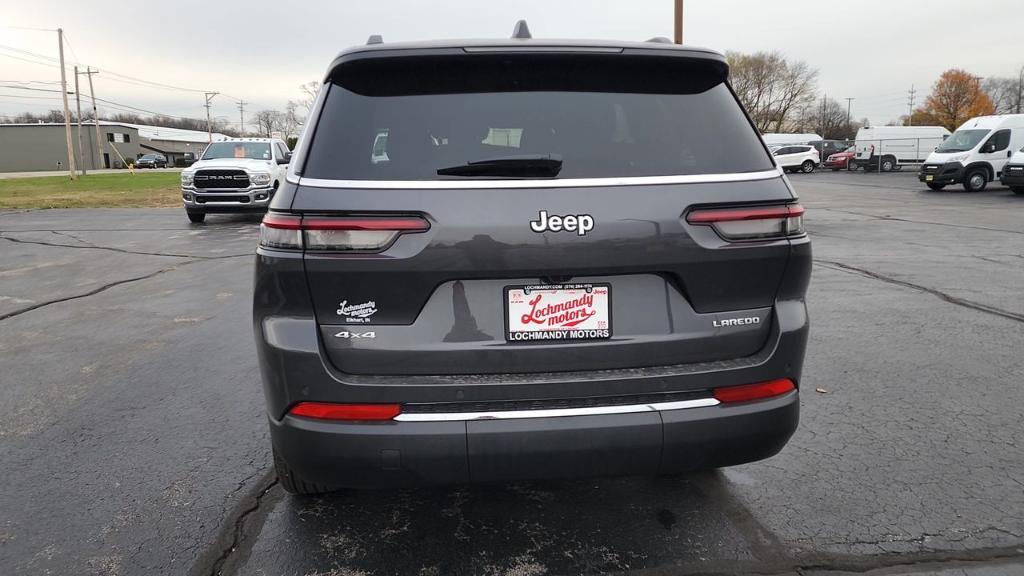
39	147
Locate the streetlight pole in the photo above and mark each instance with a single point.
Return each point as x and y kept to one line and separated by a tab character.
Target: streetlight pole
679	21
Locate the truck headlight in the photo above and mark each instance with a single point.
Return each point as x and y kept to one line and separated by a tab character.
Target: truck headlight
260	178
186	178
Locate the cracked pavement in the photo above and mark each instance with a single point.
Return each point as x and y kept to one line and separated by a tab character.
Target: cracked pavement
134	439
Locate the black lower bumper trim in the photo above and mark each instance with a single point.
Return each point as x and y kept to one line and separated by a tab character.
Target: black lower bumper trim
414	453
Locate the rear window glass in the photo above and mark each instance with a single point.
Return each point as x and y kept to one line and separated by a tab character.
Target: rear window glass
604	117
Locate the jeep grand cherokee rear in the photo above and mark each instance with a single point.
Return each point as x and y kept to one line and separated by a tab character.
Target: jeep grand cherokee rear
524	259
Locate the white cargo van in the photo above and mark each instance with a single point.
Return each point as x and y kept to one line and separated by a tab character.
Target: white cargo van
975	154
889	148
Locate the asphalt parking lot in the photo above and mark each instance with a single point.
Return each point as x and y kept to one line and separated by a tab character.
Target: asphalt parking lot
133	440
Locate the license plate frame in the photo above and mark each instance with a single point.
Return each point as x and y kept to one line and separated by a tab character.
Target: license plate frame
577	325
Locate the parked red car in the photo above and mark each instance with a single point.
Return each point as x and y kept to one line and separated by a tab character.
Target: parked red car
841	160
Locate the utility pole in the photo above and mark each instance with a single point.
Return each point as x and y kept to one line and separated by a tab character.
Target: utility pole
67	112
95	118
679	22
78	106
1020	88
910	114
209	127
849	102
821	115
241	117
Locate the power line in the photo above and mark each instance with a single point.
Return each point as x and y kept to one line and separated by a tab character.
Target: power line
28	28
71	48
29	61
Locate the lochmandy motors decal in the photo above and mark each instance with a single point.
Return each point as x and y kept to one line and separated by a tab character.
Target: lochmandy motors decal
357	313
562	312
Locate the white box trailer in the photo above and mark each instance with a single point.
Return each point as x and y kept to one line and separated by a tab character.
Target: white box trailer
776	139
888	148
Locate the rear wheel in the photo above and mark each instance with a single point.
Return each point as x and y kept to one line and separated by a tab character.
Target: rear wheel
936	187
196	217
292	482
807	167
975	180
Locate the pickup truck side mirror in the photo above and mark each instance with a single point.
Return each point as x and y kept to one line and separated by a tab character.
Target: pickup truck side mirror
287	158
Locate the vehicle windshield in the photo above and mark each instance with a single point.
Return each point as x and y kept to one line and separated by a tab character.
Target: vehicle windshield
591	120
254	150
962	141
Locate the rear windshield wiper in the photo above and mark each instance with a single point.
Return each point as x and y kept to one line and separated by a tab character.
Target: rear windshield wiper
540	165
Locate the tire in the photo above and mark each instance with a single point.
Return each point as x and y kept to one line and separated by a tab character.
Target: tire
293	483
807	167
936	187
196	217
1017	189
888	164
851	166
975	180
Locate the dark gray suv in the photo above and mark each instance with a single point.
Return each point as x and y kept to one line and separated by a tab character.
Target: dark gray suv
496	260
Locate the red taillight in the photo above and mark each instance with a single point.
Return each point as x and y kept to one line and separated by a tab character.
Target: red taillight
752	223
749	392
346	233
282	231
348	412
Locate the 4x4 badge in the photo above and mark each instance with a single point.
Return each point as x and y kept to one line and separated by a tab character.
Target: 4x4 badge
578	223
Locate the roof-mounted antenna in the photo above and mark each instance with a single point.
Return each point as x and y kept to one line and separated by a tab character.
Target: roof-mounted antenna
375	39
660	40
521	31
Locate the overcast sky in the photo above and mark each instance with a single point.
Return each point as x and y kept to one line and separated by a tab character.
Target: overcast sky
261	50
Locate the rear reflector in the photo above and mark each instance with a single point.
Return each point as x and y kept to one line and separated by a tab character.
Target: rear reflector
347	233
749	392
752	223
346	412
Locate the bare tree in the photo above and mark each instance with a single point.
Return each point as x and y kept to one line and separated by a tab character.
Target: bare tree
269	121
772	89
828	118
1007	94
309	92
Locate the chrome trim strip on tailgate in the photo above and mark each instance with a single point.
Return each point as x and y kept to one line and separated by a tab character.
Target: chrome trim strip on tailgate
547	183
555	413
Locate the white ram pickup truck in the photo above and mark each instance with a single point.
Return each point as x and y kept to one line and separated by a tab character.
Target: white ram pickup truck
235	175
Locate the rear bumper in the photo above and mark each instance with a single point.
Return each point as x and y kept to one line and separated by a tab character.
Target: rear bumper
414	453
950	173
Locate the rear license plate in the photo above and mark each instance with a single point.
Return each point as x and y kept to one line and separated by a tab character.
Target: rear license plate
929	178
552	313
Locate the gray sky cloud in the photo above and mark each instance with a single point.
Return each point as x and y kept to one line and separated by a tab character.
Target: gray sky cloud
261	50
